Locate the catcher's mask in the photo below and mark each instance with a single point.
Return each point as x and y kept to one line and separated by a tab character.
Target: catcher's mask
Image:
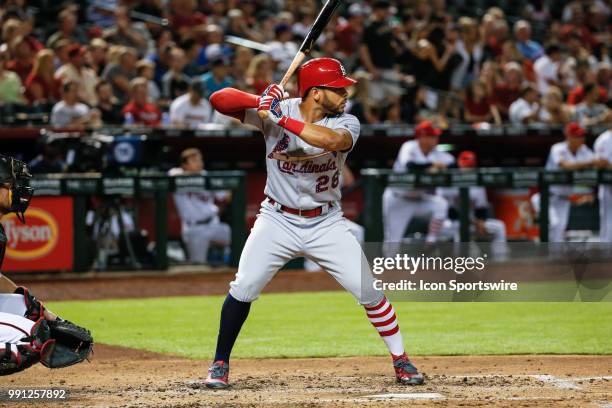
15	175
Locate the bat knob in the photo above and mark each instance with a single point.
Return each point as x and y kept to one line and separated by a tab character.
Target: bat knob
262	114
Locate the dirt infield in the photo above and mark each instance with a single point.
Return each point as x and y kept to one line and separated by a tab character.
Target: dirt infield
129	378
109	287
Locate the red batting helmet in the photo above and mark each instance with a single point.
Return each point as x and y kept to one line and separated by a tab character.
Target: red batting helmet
325	72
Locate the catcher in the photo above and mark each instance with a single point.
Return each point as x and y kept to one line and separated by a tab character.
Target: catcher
29	333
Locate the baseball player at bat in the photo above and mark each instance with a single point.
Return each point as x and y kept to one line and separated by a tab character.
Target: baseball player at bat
307	142
29	333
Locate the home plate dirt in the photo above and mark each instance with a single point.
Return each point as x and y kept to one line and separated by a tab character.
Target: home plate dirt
131	378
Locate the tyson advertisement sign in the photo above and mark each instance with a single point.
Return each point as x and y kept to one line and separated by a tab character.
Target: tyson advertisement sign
44	242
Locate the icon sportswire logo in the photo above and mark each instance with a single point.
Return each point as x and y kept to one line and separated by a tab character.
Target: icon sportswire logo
32	240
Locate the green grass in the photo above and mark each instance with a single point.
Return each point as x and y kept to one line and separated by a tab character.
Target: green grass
331	324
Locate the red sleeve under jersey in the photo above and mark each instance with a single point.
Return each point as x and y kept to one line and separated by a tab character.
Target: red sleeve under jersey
233	102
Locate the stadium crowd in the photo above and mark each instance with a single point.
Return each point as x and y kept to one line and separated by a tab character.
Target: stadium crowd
155	62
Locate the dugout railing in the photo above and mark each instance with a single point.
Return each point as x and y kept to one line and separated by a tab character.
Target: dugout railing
374	182
154	186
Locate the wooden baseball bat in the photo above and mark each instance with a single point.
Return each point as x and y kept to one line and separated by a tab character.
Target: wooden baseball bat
321	21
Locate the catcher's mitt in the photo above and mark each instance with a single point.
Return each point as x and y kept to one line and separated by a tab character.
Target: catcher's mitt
73	344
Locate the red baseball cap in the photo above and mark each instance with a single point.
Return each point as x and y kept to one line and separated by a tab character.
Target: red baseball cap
573	129
467	158
426	128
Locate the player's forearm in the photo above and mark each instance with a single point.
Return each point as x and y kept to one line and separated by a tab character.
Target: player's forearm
575	166
325	138
232	100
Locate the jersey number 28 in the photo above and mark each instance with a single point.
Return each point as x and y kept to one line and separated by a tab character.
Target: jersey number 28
323	182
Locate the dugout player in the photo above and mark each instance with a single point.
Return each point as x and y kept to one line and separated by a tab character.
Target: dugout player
200	225
481	224
603	153
401	204
307	142
29	333
571	154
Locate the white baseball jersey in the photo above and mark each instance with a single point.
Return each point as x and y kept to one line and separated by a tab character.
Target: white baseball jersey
560	152
603	146
184	112
193	207
603	150
304	184
411	154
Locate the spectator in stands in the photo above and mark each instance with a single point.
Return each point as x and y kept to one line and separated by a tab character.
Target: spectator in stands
139	110
378	56
578	58
547	67
146	69
69	112
602	79
185	17
175	82
120	75
68	29
217	78
162	58
11	88
348	32
525	110
509	90
76	71
471	50
259	73
192	50
509	53
479	106
41	85
282	50
23	57
108	105
98	49
215	45
61	53
554	111
191	109
529	48
237	25
589	112
128	34
239	65
11	29
359	102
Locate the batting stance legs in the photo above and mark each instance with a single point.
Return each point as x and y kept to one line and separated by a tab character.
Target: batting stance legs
277	238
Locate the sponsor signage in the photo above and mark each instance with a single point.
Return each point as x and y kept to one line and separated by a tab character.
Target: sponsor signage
45	241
